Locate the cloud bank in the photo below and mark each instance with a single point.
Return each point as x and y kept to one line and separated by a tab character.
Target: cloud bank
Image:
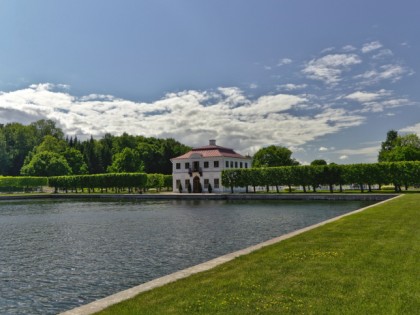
191	117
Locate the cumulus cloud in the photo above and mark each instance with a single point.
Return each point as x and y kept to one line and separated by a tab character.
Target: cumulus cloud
323	149
368	47
192	117
330	67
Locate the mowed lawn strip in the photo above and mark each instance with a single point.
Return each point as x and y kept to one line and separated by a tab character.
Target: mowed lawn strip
366	263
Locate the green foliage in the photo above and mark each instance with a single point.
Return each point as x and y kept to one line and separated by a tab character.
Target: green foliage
400	148
23	181
168	182
155	181
397	173
46	164
128	181
126	161
319	162
273	156
19	144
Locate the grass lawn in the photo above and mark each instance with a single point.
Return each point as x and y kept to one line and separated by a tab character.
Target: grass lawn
367	263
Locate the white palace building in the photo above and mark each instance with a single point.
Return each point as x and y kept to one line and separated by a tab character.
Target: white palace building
203	166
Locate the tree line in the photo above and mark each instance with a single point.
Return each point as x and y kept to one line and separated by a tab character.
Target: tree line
42	149
309	177
132	182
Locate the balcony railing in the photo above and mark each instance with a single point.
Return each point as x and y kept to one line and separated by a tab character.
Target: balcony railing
192	170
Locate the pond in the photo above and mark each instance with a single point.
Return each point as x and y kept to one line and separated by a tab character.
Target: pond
56	255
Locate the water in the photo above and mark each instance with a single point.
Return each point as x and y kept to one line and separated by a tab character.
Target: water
56	255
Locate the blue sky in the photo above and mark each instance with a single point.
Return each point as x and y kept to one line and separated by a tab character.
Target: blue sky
326	79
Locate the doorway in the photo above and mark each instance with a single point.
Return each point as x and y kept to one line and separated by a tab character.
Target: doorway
197	185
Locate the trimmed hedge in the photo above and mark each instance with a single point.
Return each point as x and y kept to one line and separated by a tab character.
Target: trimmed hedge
26	182
396	173
116	181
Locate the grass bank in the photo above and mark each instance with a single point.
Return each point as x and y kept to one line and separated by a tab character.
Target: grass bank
367	263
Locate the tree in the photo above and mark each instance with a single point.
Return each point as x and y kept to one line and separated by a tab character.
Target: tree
75	160
319	162
46	127
51	144
126	161
400	148
20	140
4	156
46	164
273	156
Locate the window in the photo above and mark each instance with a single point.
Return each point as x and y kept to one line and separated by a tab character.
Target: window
178	166
246	165
206	164
240	165
236	164
206	183
216	164
187	165
231	164
216	183
187	183
178	182
227	164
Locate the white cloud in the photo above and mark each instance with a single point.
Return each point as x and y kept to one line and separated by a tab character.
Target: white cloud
284	61
191	117
363	97
412	129
371	151
343	157
368	47
330	67
291	87
377	101
389	72
383	53
323	149
348	48
253	86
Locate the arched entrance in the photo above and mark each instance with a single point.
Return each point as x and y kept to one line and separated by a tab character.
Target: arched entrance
197	185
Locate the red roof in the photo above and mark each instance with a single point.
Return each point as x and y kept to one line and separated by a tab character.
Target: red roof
211	151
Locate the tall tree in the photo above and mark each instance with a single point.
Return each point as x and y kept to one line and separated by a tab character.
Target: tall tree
4	156
400	148
127	161
46	164
46	127
273	156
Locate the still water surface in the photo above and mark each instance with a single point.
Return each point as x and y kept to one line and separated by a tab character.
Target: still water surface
56	255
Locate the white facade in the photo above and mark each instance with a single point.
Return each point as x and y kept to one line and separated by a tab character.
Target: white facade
203	166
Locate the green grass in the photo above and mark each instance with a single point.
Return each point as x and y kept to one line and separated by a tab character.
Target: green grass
367	263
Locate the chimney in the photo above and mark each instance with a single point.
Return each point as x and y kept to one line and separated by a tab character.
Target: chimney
212	142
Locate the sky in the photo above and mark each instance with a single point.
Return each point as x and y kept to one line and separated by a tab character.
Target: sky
325	78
